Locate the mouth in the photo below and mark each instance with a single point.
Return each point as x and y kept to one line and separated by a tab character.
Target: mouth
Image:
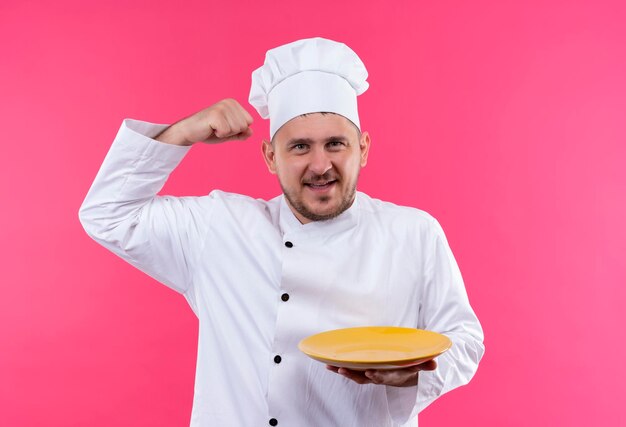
320	186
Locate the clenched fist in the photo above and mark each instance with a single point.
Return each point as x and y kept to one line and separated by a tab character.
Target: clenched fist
223	121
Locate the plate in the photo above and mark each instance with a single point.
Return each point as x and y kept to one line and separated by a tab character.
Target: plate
375	347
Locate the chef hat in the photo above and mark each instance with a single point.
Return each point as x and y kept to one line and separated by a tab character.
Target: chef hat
308	76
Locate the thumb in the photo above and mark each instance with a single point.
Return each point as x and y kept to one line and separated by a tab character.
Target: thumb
241	136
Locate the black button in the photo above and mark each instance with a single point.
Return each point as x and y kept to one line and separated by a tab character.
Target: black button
273	422
289	244
284	297
277	359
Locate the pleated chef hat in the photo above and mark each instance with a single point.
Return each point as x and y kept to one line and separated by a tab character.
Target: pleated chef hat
308	76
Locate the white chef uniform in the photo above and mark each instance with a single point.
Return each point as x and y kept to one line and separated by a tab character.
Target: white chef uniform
256	295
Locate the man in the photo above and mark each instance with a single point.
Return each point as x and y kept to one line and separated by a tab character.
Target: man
262	275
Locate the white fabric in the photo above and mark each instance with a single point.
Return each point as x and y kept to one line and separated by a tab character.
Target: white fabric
375	264
306	76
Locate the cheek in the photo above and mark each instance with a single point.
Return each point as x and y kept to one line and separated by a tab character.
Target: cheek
289	174
350	168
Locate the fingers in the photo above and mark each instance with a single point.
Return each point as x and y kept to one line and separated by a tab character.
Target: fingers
238	137
247	118
395	377
356	376
239	119
376	376
223	121
230	121
430	365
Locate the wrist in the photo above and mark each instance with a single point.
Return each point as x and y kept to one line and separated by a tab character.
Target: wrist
173	135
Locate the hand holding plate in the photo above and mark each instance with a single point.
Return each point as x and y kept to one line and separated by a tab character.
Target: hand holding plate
402	377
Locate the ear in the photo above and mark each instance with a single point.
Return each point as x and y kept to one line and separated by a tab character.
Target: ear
364	145
269	156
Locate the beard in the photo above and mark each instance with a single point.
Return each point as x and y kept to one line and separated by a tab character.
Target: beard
297	203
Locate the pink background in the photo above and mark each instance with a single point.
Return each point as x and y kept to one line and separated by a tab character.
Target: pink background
505	120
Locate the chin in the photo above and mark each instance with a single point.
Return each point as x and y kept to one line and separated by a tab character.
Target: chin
323	209
325	212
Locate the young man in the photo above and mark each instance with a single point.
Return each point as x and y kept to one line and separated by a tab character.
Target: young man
262	275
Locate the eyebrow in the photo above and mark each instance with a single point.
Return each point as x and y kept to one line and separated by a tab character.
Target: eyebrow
297	141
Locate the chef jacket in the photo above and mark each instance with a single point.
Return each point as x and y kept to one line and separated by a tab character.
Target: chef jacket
259	281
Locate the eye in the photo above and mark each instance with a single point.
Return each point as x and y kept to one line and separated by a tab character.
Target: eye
334	145
299	147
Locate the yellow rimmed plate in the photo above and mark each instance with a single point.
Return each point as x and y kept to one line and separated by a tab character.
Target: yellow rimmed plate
375	347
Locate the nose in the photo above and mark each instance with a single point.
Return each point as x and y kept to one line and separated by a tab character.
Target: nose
319	161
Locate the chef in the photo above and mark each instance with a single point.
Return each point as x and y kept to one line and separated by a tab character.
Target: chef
262	275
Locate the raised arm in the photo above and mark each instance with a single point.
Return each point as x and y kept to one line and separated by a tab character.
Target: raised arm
224	121
160	235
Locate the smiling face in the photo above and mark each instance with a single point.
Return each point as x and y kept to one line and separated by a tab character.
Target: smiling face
317	158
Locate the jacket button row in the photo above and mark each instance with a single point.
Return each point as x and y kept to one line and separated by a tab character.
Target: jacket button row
277	359
284	297
273	422
289	244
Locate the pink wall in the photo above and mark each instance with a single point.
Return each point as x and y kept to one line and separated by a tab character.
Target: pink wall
505	120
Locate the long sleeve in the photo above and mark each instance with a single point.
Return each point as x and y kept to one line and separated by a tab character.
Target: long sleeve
122	211
444	308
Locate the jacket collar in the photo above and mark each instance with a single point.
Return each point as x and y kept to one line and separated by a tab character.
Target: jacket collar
289	224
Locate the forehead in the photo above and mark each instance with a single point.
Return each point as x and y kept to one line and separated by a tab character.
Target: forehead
316	126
